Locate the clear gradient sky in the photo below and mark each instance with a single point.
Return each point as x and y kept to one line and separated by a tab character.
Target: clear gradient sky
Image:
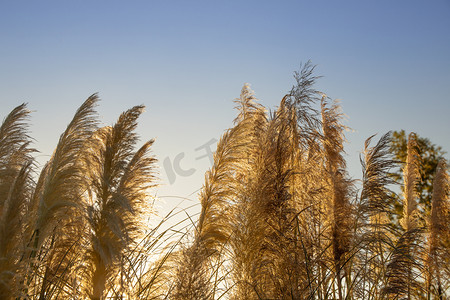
389	62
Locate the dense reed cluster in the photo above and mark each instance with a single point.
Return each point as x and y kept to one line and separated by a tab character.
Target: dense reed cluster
279	218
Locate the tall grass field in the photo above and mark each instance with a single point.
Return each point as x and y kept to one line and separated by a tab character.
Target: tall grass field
279	216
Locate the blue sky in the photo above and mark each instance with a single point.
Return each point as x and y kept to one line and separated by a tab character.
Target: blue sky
388	62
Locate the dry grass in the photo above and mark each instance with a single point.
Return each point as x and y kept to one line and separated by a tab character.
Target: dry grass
279	218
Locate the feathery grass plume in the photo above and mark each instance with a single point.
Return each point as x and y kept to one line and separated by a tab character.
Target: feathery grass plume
438	233
195	274
375	237
303	95
216	191
247	105
59	260
16	166
264	253
214	227
120	180
136	184
12	231
377	163
56	210
265	198
14	148
62	179
14	130
283	239
57	199
265	241
411	174
404	266
307	190
307	183
340	210
245	219
302	98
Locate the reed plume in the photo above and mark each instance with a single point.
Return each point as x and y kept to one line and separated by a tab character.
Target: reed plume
265	241
56	208
410	219
245	219
62	181
16	166
195	275
438	233
340	210
403	265
120	180
373	211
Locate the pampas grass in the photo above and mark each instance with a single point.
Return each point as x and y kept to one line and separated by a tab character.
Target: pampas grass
16	166
278	215
437	280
